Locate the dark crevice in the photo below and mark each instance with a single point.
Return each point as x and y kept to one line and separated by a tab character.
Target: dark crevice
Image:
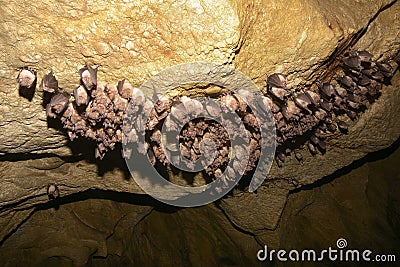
13	157
241	230
129	198
371	157
10	233
331	62
82	149
19	202
122	197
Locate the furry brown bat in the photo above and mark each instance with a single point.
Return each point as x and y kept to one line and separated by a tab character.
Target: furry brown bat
49	83
304	117
277	80
26	77
81	96
89	76
52	191
58	104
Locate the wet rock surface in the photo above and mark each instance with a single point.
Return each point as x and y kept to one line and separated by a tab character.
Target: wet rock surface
134	40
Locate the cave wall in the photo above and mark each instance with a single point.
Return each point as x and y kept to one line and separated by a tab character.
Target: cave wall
136	39
358	203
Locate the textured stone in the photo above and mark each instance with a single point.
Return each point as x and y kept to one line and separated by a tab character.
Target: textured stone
376	129
51	236
256	212
24	184
189	237
125	234
129	39
135	40
275	41
357	206
297	37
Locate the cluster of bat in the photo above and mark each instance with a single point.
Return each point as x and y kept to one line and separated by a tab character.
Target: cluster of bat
97	112
172	112
314	113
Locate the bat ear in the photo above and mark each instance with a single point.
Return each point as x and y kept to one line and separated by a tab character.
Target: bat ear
317	142
277	80
302	101
92	72
346	81
49	112
320	114
59	102
314	97
49	83
290	111
278	92
155	96
341	91
353	62
81	70
327	90
120	86
365	56
351	114
88	76
327	106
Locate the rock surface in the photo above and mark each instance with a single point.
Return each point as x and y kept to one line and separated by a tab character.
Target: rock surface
136	39
51	236
359	204
130	39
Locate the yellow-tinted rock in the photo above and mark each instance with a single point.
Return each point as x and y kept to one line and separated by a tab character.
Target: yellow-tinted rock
129	39
297	37
136	39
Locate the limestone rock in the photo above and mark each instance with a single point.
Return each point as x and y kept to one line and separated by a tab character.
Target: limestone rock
117	233
256	212
204	243
136	39
377	129
298	38
355	206
126	234
24	184
367	134
129	39
52	236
